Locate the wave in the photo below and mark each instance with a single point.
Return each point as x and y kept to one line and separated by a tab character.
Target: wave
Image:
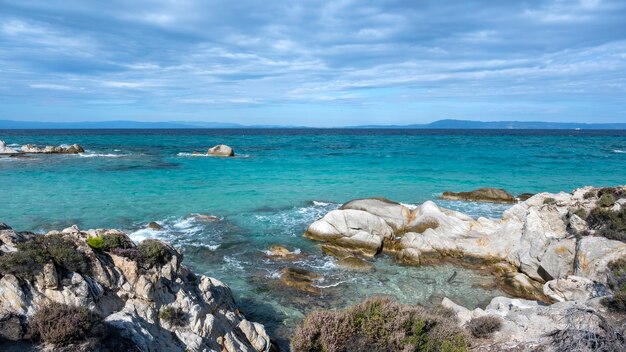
202	155
619	151
100	155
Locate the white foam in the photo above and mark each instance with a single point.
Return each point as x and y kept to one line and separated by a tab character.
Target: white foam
143	234
619	151
99	155
410	206
321	204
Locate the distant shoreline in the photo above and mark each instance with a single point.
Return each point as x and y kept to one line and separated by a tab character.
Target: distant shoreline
437	125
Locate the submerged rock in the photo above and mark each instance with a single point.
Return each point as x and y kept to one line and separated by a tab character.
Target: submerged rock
4	150
153	225
494	195
300	279
278	251
221	150
129	286
204	217
354	263
62	149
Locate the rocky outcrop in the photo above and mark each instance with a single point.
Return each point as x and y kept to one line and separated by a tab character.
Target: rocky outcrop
494	195
536	241
529	326
134	288
221	150
62	149
4	150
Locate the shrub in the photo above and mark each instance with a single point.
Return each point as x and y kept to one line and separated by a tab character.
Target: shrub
615	303
581	213
613	191
379	324
109	241
96	242
31	255
484	327
60	324
590	194
174	316
153	252
610	224
549	200
130	253
606	200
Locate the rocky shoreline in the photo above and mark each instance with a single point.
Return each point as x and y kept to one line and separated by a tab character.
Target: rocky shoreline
141	294
551	251
560	257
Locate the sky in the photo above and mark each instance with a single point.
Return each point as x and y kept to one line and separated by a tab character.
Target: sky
313	63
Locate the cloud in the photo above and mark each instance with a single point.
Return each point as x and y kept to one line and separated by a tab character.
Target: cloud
277	59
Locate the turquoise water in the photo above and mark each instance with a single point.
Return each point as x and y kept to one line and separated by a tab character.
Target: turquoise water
281	181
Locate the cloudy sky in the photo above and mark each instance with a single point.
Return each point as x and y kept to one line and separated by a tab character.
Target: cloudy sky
315	63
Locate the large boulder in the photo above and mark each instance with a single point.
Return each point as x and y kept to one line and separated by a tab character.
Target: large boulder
131	292
4	150
396	215
352	229
221	150
486	194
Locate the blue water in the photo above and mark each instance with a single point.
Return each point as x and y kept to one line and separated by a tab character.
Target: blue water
281	181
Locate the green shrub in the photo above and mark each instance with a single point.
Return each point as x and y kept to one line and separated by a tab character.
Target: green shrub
608	223
60	324
606	200
96	242
31	256
549	200
109	241
174	316
379	324
484	327
153	252
581	213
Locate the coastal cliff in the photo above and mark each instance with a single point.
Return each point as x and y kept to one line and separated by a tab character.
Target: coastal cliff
103	293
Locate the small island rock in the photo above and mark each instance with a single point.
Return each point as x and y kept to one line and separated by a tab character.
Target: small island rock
221	150
494	195
6	150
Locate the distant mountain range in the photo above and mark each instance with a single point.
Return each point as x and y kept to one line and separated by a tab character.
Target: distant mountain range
441	124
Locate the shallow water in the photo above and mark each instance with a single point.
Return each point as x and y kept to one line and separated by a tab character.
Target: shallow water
280	182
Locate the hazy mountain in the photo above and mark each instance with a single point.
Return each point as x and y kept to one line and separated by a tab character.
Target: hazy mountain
441	124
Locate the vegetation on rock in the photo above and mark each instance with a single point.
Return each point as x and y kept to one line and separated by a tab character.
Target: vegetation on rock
608	223
617	282
173	316
379	324
33	254
484	327
60	324
153	252
109	241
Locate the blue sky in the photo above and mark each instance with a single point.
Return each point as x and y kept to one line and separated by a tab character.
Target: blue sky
315	63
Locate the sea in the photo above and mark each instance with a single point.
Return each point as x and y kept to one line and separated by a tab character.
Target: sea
279	182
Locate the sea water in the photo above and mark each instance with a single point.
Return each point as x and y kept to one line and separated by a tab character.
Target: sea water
280	181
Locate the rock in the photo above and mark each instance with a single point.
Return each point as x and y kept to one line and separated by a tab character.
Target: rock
530	325
354	229
130	298
396	215
203	217
300	279
524	196
494	195
153	225
62	149
221	150
573	288
354	263
278	251
534	242
4	150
